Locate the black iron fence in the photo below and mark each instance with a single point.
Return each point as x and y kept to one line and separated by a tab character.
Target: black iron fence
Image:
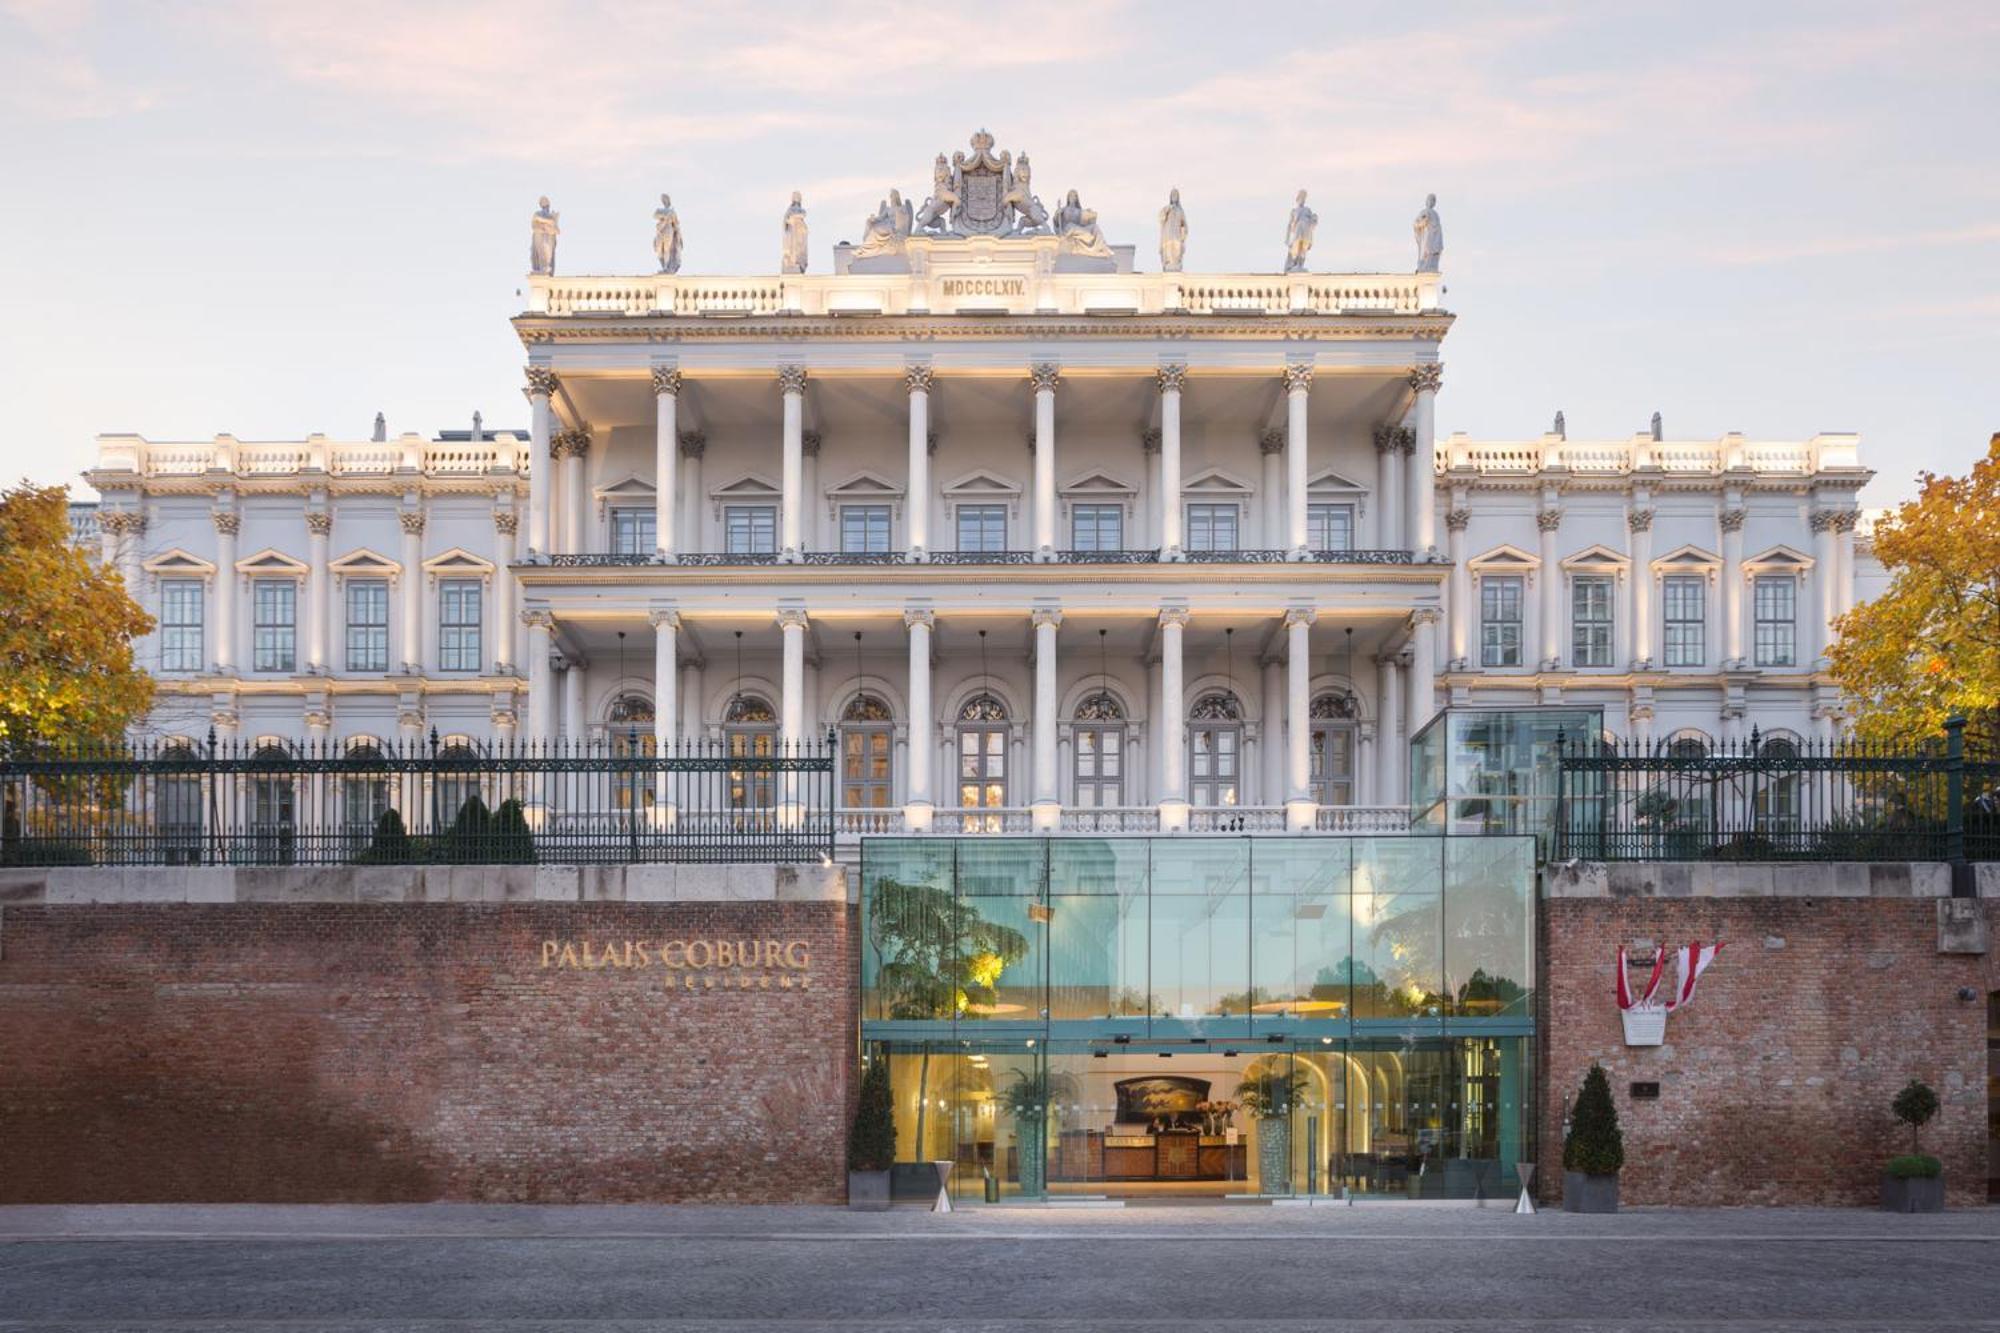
1775	798
751	797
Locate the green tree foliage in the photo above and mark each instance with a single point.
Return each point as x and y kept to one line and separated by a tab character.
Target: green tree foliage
1595	1145
1914	1106
871	1139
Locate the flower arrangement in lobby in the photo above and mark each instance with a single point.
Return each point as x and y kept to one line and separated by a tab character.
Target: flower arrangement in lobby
1216	1115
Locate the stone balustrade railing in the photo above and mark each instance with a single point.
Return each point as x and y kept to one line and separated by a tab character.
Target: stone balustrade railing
943	293
1731	453
341	458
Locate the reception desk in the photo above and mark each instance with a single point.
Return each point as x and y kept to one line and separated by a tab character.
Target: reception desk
1082	1155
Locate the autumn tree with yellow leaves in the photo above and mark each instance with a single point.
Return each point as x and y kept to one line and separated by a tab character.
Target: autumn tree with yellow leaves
67	675
1929	647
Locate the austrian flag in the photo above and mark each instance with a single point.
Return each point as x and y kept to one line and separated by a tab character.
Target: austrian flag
1692	959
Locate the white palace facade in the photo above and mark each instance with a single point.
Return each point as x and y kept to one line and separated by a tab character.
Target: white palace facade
1031	529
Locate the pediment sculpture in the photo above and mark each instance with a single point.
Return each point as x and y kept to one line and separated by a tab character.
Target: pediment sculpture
982	193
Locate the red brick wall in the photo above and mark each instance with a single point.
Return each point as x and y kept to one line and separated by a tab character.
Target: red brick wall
414	1051
1775	1084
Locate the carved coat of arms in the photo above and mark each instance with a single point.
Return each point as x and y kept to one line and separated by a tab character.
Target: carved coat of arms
981	180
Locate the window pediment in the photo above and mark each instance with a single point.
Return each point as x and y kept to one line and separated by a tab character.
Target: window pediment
364	564
1688	559
1597	560
981	484
179	564
1778	560
458	563
1504	560
272	563
863	487
1331	483
1093	484
1214	483
748	487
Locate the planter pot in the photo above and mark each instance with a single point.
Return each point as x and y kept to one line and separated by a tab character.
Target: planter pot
1274	1155
1589	1194
868	1191
1917	1194
1032	1136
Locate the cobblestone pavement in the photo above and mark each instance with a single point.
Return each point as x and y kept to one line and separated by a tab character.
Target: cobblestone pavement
429	1268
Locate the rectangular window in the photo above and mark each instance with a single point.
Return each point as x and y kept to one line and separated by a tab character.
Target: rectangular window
750	529
982	527
633	532
1684	608
458	625
180	625
275	625
1330	527
1212	527
864	529
1097	527
1500	620
367	625
1590	622
1776	601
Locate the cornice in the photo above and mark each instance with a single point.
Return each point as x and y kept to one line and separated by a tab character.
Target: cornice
1027	577
544	329
336	686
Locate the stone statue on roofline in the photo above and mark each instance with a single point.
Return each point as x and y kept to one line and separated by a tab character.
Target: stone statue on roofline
1173	233
1430	236
935	215
1560	429
1077	226
884	231
543	229
1299	230
793	257
667	235
1019	195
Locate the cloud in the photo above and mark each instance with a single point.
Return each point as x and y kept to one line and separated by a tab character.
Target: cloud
1788	248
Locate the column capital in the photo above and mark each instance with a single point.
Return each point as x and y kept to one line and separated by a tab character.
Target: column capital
667	381
1426	615
1846	520
412	521
1046	617
319	522
122	520
569	443
1548	520
659	616
542	382
1271	442
1149	439
1174	617
1300	615
1732	519
506	522
1427	378
791	379
1385	438
1045	375
1822	520
913	616
538	619
694	443
917	377
1457	520
1298	379
227	521
809	442
1406	439
791	618
1171	378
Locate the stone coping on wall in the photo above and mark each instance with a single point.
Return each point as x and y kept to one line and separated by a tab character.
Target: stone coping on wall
746	882
1780	879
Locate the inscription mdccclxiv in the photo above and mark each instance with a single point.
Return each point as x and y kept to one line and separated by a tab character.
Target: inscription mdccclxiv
767	964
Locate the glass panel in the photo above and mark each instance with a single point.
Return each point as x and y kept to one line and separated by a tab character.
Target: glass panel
982	527
1200	938
1398	969
864	529
1000	932
750	529
1488	927
907	907
1098	925
632	531
1300	935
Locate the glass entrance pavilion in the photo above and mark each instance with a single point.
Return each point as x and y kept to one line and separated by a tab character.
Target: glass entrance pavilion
1204	1016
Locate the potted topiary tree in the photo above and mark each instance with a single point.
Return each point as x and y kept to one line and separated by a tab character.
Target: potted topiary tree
1268	1097
871	1140
1593	1150
1914	1183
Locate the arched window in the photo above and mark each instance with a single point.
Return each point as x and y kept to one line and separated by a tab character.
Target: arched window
1215	749
1775	798
1332	718
273	804
458	779
867	747
364	793
628	724
1687	745
1098	736
750	731
179	803
982	755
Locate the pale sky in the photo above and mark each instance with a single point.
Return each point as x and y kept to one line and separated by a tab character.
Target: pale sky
274	218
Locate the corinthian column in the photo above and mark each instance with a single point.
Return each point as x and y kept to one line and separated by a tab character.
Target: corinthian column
1271	482
1459	629
411	586
920	807
1298	387
1299	804
792	387
1640	521
1388	488
1422	700
541	677
1426	380
576	493
917	502
666	460
227	523
1173	722
541	387
1826	578
1844	526
1549	520
1047	802
1171	378
1731	520
319	524
506	530
1045	376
